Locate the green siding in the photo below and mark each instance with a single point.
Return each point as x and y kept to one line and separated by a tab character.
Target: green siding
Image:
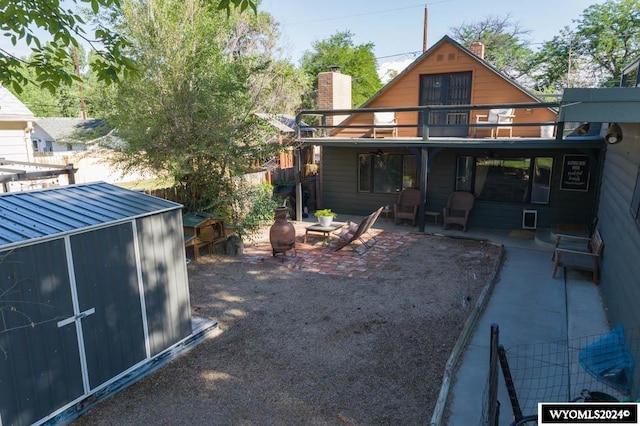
340	183
620	268
340	188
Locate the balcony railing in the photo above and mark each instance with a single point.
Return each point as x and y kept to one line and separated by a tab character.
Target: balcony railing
428	118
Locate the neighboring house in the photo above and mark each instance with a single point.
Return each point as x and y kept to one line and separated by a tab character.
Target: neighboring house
438	148
56	135
287	132
64	140
280	171
16	124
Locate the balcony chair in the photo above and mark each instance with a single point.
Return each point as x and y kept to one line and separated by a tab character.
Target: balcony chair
407	204
387	119
502	119
457	209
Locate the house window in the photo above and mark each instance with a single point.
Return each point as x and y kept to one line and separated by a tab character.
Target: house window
386	173
464	176
508	179
635	201
542	168
48	146
69	147
34	144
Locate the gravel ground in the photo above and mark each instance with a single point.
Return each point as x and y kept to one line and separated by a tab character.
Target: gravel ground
296	347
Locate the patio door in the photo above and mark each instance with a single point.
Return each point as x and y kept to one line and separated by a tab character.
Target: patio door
446	89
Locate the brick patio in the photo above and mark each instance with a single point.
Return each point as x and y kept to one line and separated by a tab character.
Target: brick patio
316	256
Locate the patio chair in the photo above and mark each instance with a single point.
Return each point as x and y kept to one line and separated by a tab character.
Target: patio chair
457	209
385	119
407	204
352	233
502	119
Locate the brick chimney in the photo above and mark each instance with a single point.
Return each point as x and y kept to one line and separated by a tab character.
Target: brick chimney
477	49
334	92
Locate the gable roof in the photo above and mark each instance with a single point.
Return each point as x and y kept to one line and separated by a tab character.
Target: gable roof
62	129
11	109
58	211
430	51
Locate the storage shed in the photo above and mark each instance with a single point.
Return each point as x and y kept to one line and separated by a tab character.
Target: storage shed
93	285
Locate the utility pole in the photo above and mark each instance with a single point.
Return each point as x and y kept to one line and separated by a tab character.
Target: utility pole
82	110
424	34
569	66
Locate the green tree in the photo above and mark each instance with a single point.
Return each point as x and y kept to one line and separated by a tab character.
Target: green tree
558	64
190	116
504	42
608	35
357	61
63	101
66	28
605	39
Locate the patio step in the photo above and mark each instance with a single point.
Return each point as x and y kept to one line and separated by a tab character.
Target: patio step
545	237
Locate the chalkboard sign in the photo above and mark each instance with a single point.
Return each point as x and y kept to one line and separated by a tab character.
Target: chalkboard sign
575	173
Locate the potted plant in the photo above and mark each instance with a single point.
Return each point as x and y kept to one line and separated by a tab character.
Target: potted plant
325	216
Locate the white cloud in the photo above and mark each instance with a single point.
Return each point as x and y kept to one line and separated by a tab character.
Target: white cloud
387	70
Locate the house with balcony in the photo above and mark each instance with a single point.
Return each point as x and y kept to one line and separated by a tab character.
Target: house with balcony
440	134
589	175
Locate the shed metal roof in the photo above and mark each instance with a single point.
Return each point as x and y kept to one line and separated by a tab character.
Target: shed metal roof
53	212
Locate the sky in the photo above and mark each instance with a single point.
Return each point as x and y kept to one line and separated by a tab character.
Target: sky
396	27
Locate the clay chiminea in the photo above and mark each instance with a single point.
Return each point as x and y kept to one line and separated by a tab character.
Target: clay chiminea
282	234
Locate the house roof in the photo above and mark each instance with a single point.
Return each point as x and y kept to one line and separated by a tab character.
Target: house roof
62	129
49	213
275	122
290	121
11	109
284	122
430	51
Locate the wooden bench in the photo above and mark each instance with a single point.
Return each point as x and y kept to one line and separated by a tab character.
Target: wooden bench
568	253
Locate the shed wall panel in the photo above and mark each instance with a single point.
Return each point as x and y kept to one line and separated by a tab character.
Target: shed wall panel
106	277
165	281
39	364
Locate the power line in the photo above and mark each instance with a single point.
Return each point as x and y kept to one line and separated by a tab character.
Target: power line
414	53
368	13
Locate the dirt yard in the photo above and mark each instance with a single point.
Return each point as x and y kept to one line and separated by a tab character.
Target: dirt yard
298	345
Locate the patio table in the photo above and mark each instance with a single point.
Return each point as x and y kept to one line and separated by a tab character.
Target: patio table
326	231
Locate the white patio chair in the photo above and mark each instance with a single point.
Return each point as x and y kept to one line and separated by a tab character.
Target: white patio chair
385	119
501	118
